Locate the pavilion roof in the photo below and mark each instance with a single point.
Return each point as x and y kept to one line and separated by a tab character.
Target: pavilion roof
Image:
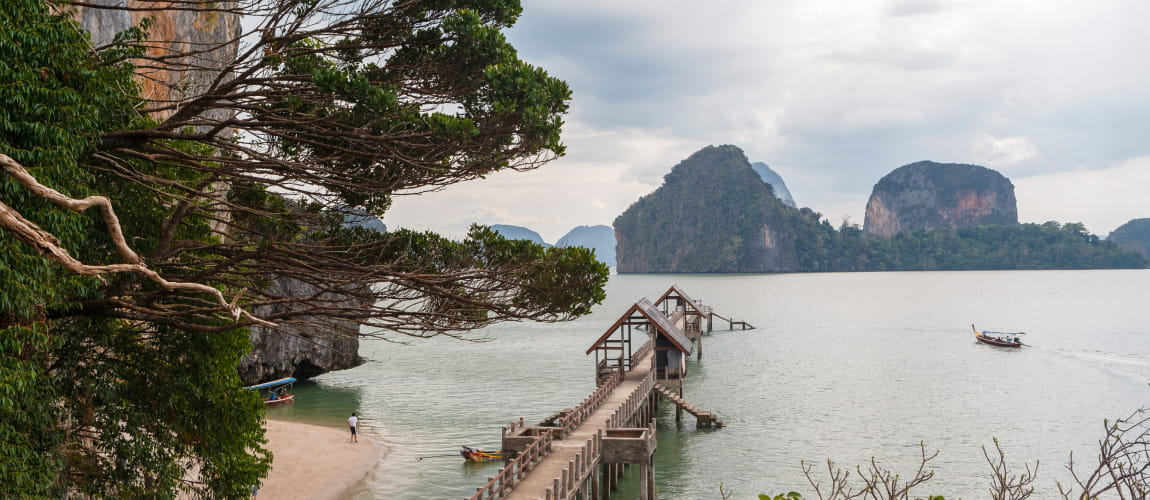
677	292
662	324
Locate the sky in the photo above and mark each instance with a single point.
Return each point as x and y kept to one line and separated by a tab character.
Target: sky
833	95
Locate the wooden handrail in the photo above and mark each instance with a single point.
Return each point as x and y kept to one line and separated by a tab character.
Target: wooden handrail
577	470
515	470
508	429
580	413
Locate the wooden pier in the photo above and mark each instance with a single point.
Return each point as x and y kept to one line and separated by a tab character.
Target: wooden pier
581	452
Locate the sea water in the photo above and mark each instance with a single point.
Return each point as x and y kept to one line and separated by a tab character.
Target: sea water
840	366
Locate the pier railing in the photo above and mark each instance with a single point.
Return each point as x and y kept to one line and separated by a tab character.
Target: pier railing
639	354
638	397
510	429
515	470
579	414
575	473
608	366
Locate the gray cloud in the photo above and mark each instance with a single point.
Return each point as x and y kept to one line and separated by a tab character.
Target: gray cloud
833	95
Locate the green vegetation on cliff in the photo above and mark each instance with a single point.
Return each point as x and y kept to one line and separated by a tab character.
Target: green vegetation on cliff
714	214
1134	236
1023	246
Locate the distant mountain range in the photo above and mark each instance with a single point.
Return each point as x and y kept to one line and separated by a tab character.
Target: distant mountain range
1133	235
601	239
775	181
717	212
519	233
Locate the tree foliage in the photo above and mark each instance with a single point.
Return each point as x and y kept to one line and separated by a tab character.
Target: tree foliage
119	384
1023	246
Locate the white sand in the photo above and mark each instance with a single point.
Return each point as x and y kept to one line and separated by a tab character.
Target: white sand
315	463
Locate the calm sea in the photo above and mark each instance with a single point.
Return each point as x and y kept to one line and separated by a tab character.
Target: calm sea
841	366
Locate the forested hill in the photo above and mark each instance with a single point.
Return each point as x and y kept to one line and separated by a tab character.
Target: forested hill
930	195
714	214
1133	235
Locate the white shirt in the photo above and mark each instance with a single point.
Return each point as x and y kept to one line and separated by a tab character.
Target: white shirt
352	421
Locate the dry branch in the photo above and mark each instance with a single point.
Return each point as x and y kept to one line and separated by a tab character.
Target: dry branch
49	246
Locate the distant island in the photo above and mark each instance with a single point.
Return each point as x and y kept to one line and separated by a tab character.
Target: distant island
715	213
1134	236
930	195
600	238
519	233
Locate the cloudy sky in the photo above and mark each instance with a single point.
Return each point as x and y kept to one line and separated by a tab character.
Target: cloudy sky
1054	94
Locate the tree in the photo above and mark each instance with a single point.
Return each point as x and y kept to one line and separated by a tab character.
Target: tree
120	330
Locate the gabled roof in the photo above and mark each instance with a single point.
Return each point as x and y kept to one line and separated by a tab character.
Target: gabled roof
645	309
674	291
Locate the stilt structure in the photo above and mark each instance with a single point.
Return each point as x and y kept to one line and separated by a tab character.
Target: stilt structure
581	452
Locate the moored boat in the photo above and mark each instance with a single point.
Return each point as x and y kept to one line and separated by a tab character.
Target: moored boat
478	455
275	393
1000	339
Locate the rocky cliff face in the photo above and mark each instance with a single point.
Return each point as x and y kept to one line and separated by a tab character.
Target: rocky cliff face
712	214
1133	235
289	350
300	350
929	195
601	239
210	35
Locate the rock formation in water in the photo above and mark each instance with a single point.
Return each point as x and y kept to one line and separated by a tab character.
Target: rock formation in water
776	182
1133	235
712	214
601	239
519	233
300	350
929	195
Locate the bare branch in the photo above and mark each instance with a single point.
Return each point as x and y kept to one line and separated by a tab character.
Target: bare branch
1007	486
49	246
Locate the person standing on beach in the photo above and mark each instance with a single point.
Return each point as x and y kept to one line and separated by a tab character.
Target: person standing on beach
353	422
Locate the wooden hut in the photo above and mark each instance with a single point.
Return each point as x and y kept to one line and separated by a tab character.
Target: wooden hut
675	302
614	350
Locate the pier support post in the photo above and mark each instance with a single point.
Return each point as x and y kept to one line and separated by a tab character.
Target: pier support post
654	494
679	408
605	479
644	493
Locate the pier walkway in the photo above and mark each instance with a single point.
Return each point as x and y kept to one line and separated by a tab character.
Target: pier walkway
541	482
580	453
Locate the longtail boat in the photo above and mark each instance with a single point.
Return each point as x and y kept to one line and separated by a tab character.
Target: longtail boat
275	393
1000	339
478	455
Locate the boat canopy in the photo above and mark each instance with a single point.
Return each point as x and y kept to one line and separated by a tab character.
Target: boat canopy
1003	333
272	384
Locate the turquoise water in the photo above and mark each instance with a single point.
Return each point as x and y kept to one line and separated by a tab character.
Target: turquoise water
841	366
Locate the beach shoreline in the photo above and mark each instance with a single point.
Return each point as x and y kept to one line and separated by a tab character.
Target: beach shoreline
316	462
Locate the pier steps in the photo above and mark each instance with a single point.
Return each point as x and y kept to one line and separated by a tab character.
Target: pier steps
703	418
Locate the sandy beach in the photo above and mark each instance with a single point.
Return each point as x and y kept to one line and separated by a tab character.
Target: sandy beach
315	463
